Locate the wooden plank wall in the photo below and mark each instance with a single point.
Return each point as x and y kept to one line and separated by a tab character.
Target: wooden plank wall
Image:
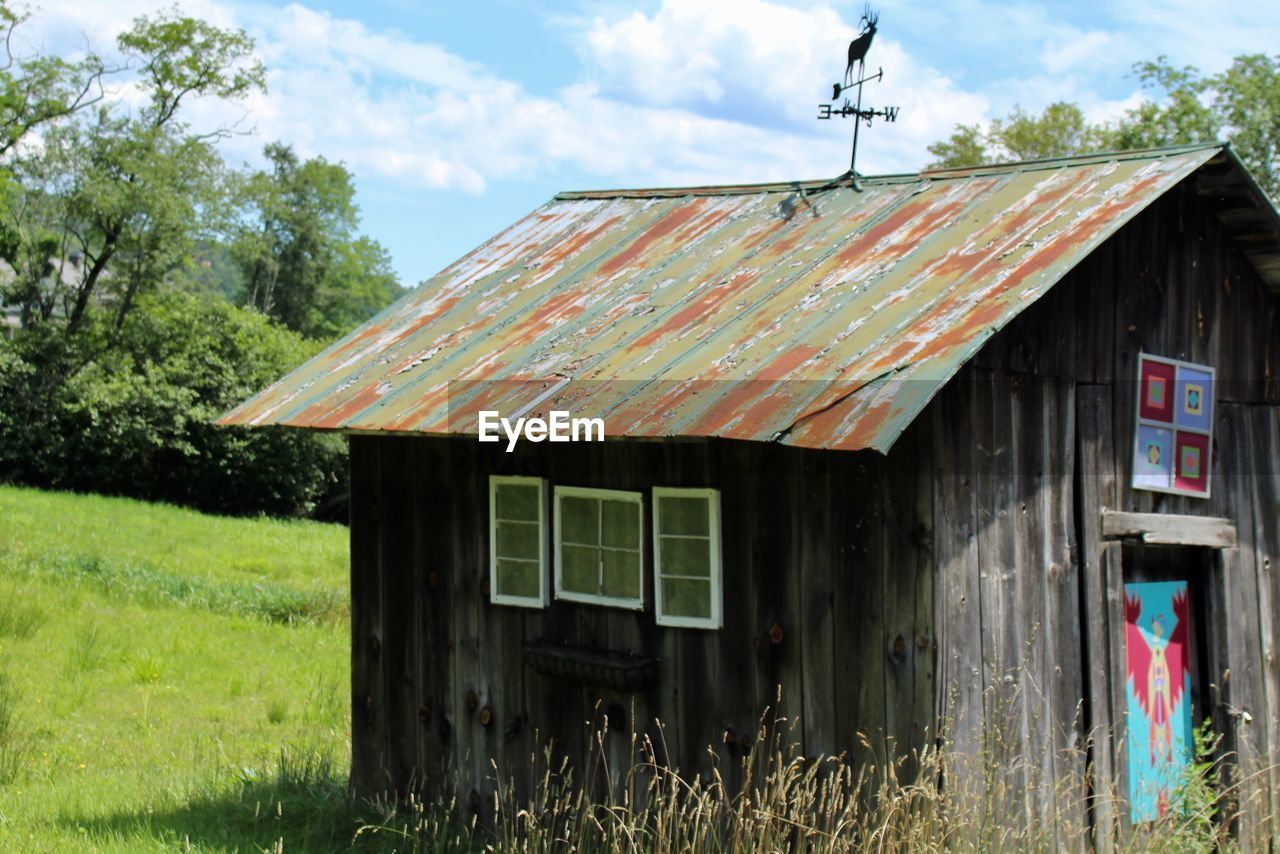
1063	375
828	600
962	579
1008	584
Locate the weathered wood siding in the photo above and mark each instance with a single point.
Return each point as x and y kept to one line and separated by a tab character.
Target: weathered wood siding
828	598
964	578
1034	441
1009	613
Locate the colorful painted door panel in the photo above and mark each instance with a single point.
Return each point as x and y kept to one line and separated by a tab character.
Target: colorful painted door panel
1158	689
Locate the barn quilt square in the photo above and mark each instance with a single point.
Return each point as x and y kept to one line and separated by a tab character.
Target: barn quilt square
1192	454
1173	429
1158	690
1153	463
1194	399
1156	402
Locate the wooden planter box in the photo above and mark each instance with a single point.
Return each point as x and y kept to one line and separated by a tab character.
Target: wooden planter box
603	668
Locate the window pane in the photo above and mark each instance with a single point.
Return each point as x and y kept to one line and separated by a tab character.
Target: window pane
579	519
686	598
517	501
684	516
518	539
685	556
518	578
621	524
621	574
580	572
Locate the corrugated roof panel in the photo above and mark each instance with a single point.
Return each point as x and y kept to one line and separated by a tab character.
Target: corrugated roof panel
814	315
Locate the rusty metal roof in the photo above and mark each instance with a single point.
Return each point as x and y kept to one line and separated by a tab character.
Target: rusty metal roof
813	314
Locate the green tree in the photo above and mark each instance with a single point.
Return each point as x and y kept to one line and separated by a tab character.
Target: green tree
1181	117
301	261
1249	103
361	284
37	90
1059	131
112	203
128	352
183	57
130	199
131	411
1240	105
967	146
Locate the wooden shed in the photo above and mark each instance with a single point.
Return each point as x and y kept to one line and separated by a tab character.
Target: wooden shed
894	450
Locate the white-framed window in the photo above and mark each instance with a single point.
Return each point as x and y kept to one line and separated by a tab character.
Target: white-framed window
518	541
687	576
599	537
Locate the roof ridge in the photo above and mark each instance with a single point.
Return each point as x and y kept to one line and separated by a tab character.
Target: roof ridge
846	180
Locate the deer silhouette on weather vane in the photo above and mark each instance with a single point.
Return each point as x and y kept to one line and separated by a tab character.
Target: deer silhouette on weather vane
858	49
855	79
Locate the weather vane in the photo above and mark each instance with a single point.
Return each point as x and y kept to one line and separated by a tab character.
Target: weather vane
855	78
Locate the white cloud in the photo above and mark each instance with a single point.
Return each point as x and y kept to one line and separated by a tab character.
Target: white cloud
1073	50
684	92
721	90
703	52
931	107
765	66
1201	34
297	34
690	91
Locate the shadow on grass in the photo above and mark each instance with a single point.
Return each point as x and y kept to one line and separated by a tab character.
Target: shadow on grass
304	806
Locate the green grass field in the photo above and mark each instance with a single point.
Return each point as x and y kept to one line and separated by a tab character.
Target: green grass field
170	680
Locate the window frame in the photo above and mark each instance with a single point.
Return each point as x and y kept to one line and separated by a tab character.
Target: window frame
496	598
628	496
716	620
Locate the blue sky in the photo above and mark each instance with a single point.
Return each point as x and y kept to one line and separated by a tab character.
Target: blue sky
456	118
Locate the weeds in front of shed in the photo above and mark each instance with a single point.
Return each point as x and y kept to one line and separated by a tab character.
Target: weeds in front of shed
423	827
1202	808
1203	795
772	797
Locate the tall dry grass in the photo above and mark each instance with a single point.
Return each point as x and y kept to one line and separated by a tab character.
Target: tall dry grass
934	799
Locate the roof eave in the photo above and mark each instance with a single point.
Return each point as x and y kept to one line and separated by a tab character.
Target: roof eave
1247	213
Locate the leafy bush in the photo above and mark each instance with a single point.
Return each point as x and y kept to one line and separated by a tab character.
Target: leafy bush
1202	798
132	411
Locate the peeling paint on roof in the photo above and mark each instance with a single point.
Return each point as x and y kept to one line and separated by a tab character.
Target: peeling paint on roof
810	314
